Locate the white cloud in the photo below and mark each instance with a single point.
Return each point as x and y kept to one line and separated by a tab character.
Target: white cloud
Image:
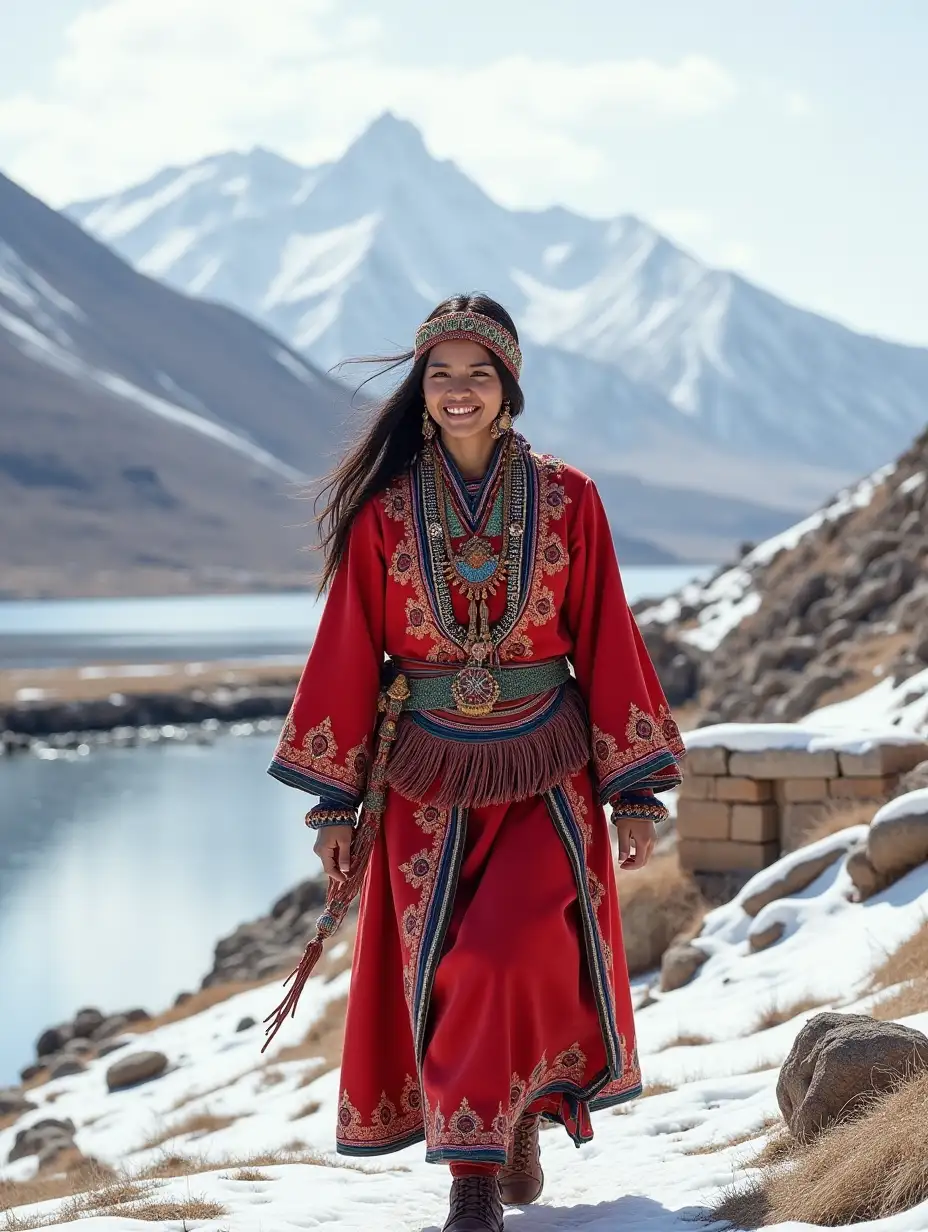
683	224
143	83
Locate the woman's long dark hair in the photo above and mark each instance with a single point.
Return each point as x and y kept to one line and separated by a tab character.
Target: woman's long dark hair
394	436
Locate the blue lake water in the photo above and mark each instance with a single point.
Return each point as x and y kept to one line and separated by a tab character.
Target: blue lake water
120	868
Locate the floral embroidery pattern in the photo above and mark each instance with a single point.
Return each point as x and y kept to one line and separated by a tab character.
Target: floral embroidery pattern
466	1129
420	872
647	740
387	1122
317	754
405	571
550	557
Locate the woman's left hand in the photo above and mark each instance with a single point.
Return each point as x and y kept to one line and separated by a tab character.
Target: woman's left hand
636	841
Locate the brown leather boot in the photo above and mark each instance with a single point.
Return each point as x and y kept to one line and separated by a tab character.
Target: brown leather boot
475	1205
522	1180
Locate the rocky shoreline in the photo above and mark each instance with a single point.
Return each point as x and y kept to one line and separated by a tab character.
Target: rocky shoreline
126	721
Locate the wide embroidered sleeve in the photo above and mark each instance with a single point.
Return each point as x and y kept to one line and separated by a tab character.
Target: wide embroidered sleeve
636	743
325	745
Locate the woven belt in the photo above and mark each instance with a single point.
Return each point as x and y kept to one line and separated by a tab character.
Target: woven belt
434	692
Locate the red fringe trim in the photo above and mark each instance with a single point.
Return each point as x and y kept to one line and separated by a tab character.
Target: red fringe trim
425	767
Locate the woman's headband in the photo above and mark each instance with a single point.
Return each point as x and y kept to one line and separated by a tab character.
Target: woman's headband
471	327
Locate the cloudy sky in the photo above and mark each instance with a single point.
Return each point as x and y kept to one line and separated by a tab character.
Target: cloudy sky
785	140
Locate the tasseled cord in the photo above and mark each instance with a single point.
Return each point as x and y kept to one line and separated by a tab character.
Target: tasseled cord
341	894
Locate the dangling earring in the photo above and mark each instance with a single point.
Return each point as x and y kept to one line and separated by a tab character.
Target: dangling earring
428	425
502	423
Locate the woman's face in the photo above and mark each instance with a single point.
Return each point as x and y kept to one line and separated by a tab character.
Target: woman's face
462	388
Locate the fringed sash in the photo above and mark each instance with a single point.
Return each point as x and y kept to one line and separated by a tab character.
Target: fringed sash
522	749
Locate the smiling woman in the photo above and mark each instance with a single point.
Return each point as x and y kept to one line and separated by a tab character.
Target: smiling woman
489	987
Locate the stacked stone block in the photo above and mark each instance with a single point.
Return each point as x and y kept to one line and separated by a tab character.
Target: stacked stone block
739	811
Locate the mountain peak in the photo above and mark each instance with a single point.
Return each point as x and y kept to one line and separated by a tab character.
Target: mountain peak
391	136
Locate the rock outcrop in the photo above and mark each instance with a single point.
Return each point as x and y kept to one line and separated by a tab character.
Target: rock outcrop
848	593
837	1063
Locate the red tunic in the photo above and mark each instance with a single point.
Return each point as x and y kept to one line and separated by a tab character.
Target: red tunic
489	974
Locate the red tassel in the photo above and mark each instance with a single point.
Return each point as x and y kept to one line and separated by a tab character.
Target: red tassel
341	894
300	974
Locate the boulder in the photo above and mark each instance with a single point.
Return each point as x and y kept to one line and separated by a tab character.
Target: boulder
31	1071
915	780
112	1046
52	1040
810	590
66	1067
867	881
764	938
679	964
38	1137
837	633
837	1062
139	1067
138	1015
878	544
86	1022
791	875
898	837
246	1023
13	1102
109	1027
808	693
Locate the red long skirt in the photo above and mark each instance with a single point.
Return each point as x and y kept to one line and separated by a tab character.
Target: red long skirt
489	978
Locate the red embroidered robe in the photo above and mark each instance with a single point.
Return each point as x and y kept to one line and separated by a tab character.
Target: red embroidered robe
489	974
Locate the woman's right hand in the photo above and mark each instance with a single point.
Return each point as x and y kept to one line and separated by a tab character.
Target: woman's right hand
333	847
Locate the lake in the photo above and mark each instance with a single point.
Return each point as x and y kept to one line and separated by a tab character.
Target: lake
121	868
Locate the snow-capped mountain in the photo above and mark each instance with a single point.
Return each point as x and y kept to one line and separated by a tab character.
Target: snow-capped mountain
639	357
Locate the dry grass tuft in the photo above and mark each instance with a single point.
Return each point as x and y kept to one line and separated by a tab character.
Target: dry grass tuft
775	1015
837	816
250	1174
656	1088
745	1207
323	1040
778	1148
685	1040
659	903
205	999
908	967
738	1140
270	1078
908	962
178	1209
88	1175
198	1124
870	1168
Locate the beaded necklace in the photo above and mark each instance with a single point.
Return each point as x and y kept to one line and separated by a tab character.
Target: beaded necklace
476	572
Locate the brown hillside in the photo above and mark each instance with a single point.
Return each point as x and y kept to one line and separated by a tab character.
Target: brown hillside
93	484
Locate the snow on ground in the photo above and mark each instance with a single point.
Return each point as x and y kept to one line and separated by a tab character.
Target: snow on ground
903	706
722	603
808	736
641	1171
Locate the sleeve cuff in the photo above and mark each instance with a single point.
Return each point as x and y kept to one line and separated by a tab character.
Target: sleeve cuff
638	805
330	812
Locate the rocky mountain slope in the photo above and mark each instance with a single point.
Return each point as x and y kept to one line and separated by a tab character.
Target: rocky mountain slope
640	359
145	438
836	607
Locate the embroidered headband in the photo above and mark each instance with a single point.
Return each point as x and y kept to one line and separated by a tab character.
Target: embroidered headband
471	327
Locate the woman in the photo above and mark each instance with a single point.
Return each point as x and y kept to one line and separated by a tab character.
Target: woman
489	986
